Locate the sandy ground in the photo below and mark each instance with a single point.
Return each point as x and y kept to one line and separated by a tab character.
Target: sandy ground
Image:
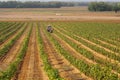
52	14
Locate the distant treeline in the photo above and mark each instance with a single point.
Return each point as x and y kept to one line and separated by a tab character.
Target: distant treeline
104	6
37	4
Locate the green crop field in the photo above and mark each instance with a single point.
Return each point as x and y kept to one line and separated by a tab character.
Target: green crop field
74	51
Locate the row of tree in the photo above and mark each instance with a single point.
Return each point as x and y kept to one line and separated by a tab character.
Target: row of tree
104	6
38	4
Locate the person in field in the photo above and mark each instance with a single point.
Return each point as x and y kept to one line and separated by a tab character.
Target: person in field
50	29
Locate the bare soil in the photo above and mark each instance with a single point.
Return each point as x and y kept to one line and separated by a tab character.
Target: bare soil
51	14
31	67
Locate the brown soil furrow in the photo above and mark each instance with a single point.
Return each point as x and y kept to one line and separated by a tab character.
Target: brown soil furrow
99	55
72	50
25	68
32	58
23	72
8	39
11	55
31	67
39	70
66	70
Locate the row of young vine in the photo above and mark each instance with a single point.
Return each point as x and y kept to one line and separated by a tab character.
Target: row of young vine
50	71
82	50
14	66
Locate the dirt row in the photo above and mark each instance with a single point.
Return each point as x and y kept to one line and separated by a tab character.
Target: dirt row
66	70
31	66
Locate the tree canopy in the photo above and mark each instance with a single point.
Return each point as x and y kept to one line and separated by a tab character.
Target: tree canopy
38	4
104	6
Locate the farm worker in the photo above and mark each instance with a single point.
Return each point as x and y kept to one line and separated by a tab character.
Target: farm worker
49	29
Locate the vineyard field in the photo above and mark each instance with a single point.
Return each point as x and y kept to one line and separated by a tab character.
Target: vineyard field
73	51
